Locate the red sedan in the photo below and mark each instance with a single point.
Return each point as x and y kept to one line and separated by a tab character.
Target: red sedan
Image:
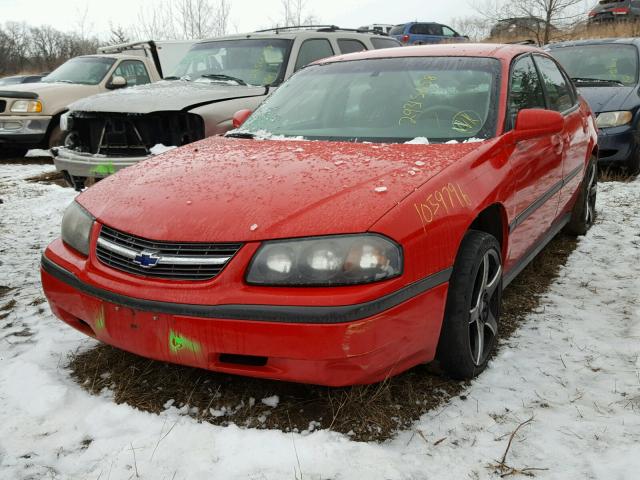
414	185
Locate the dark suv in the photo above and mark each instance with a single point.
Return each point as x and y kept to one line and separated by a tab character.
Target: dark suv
610	10
422	33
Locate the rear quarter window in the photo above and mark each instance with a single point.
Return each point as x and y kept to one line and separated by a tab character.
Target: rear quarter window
380	43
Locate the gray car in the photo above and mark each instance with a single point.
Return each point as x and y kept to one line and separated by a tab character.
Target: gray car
216	79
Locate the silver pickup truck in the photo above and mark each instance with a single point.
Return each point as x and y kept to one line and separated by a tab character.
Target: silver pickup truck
213	81
30	113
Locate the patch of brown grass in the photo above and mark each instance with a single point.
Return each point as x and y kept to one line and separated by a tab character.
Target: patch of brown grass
51	178
613	174
369	412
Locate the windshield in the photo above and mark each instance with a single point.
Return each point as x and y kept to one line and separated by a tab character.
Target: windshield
252	61
385	100
84	70
613	62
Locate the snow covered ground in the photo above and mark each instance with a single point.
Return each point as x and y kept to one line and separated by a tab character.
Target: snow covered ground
573	368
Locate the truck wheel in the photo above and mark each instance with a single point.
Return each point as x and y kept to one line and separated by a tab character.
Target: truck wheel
584	210
56	137
472	312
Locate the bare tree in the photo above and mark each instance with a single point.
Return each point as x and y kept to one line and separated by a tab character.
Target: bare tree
118	35
548	13
183	19
294	13
559	12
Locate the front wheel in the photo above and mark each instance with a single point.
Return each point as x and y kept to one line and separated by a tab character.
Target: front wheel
472	313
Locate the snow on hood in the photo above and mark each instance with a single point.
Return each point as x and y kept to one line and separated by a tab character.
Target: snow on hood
608	99
222	189
163	96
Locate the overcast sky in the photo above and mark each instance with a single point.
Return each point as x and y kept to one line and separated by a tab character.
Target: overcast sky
246	15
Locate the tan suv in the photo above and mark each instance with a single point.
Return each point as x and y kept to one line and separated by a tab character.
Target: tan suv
30	113
214	80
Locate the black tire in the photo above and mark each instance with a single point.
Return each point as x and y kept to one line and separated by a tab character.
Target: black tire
56	137
584	211
472	313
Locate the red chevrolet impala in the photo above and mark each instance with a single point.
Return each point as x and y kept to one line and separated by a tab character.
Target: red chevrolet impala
363	220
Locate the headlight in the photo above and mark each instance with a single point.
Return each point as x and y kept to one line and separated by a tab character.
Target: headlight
613	119
76	228
324	261
26	106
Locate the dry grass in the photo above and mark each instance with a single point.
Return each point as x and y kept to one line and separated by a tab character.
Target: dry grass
373	412
613	174
52	178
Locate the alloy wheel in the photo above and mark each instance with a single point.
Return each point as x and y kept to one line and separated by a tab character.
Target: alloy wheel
483	323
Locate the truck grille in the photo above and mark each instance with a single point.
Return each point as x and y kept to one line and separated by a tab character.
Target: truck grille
124	135
3	105
168	260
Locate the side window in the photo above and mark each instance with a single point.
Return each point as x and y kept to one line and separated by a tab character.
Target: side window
380	43
447	32
427	29
133	71
559	91
350	46
525	90
312	50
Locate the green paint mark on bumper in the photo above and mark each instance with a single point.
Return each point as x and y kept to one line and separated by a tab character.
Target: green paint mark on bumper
100	319
103	169
179	343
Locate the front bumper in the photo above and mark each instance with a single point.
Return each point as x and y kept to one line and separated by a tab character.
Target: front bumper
88	165
23	130
616	144
250	341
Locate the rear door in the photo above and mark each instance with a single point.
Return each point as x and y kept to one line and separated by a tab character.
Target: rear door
562	97
536	166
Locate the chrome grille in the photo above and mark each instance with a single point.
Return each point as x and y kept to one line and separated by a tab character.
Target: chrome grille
168	260
3	105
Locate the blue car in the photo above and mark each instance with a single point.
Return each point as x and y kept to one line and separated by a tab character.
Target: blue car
422	33
605	71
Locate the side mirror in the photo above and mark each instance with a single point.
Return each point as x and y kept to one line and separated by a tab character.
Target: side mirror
117	82
536	122
240	117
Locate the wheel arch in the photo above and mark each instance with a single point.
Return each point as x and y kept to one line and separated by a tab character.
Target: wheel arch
55	121
494	221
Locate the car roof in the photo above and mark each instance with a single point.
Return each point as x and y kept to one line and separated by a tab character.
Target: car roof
594	41
289	33
492	50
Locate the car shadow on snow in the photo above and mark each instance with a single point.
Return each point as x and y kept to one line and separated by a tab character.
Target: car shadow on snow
366	413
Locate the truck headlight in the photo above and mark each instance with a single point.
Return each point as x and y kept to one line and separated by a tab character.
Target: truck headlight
26	106
76	228
326	261
613	119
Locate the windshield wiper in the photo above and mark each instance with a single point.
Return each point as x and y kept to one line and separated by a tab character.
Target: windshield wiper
63	81
241	135
171	78
220	76
597	81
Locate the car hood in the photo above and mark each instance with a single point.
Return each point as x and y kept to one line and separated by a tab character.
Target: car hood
55	92
608	99
229	190
165	95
